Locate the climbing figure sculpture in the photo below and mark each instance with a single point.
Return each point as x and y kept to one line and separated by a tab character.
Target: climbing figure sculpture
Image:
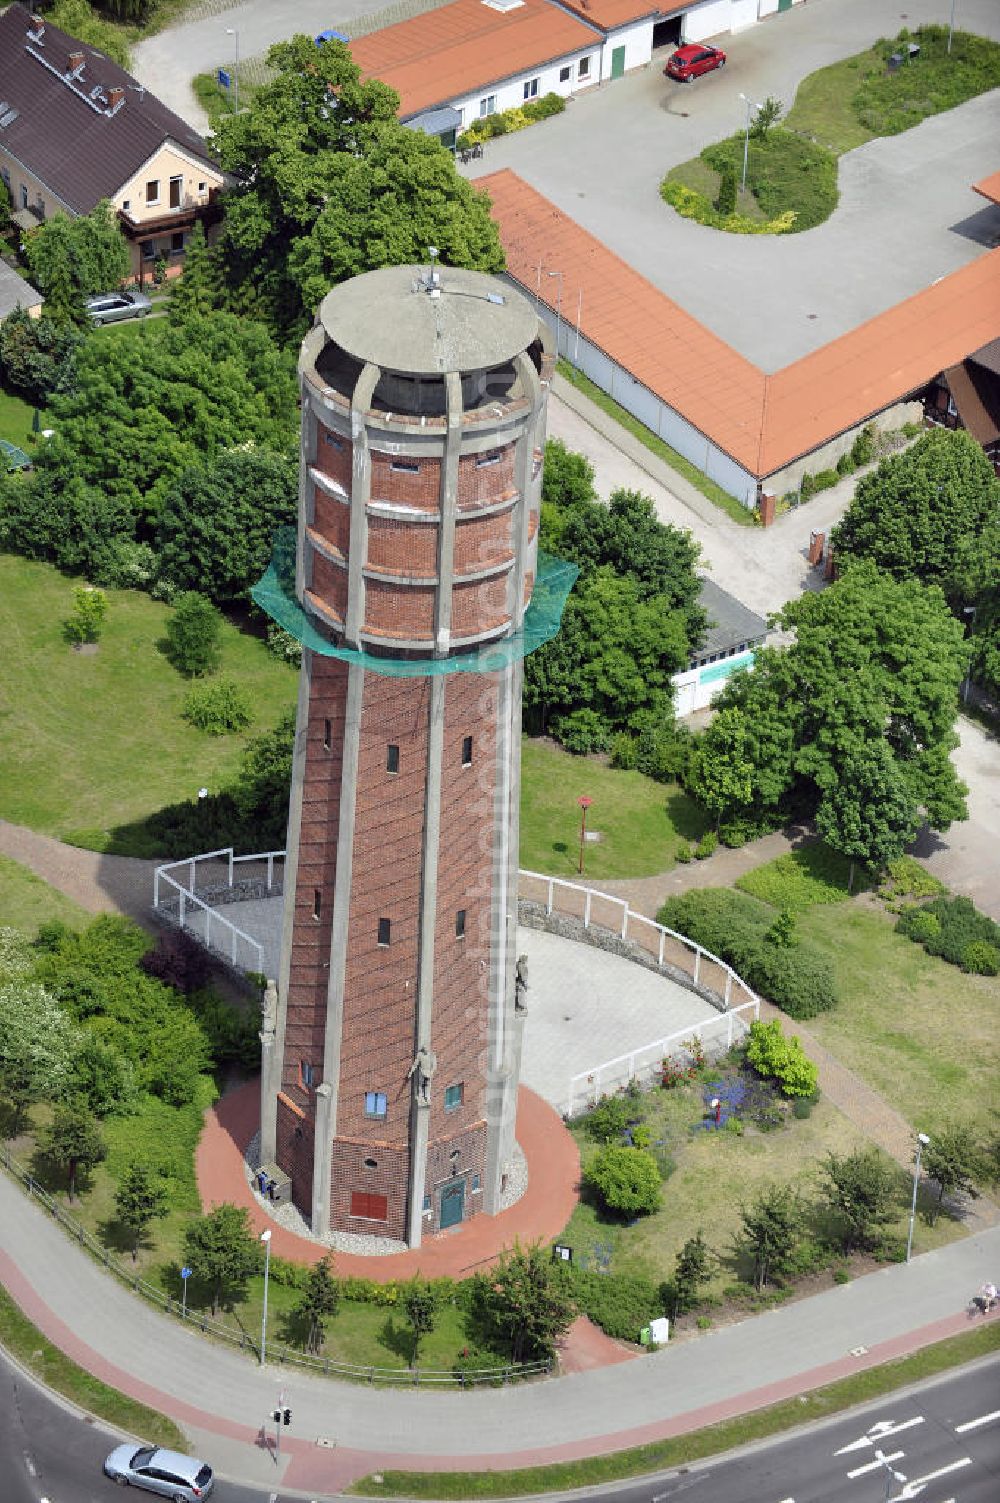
422	1071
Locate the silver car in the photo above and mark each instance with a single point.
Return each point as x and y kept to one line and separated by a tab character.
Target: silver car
108	307
182	1479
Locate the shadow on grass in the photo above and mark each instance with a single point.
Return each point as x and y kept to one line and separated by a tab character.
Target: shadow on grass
688	820
400	1339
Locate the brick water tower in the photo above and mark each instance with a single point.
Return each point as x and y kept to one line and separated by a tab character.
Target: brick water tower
392	1055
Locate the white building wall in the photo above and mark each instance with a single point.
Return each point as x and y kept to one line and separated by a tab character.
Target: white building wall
768	7
743	13
695	688
650	409
510	93
636	38
708	19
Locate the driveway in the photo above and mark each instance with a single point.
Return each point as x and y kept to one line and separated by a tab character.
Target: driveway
906	216
965	857
167	62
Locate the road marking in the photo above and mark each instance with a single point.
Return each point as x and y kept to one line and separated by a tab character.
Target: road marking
32	1469
879	1432
873	1466
984	1419
917	1484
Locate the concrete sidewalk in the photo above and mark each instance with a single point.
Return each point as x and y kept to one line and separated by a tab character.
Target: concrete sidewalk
342	1431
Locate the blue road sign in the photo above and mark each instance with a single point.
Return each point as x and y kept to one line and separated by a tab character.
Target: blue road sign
223	78
185	1273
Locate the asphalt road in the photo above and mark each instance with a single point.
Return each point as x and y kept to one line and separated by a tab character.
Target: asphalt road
943	1439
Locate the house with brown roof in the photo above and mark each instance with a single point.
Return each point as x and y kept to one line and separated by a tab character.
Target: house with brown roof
75	129
474	58
749	431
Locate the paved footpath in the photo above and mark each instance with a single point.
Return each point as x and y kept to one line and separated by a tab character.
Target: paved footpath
342	1431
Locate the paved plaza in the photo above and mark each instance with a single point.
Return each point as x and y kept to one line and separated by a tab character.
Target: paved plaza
585	1007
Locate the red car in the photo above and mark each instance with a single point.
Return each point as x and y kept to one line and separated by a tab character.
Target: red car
688	63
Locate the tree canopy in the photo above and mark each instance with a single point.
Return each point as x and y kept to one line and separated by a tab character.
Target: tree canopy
71	259
855	716
327	183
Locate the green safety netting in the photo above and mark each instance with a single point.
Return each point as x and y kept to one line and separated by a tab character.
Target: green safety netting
275	594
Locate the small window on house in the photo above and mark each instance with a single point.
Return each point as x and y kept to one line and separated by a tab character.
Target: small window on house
488	106
477	1184
454	1095
564	74
317	903
24	197
333	440
483	461
327	735
369	1207
177	243
306	1074
176	192
460	924
427	1203
153	191
201	187
531	88
392	759
583	70
375	1104
126	205
466	751
149	250
371	1163
384	932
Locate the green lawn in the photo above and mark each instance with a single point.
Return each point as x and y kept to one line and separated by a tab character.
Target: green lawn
26	901
641	823
15	420
920	1031
92	742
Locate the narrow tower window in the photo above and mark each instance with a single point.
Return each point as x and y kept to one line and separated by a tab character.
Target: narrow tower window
392	759
306	1073
460	924
466	751
317	903
384	931
327	740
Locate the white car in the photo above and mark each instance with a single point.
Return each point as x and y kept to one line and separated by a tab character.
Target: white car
182	1479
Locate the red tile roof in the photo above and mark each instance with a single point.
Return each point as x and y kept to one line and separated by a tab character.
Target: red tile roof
762	422
459	48
607	14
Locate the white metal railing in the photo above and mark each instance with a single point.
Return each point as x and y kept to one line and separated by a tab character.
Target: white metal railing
587	1087
182	904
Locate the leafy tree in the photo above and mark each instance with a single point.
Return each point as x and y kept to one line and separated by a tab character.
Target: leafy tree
627	535
75	525
769	1232
102	1077
726	199
194	635
141	1199
955	1159
77	18
326	182
609	1119
525	1297
385	207
37	1041
873	661
142	411
37	355
195	293
420	1304
318	1303
216	526
567	482
766	115
911	513
71	259
866	811
626	1179
693	1267
783	1059
720	773
90	606
261	791
223	1251
73	1141
863	1189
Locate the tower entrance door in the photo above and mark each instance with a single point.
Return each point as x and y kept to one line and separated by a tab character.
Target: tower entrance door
453	1203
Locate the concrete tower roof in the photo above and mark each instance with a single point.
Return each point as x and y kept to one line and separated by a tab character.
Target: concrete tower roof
401	320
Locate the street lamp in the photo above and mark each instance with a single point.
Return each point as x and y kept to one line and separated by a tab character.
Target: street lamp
746	137
265	1237
922	1142
231	31
558	307
585	804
